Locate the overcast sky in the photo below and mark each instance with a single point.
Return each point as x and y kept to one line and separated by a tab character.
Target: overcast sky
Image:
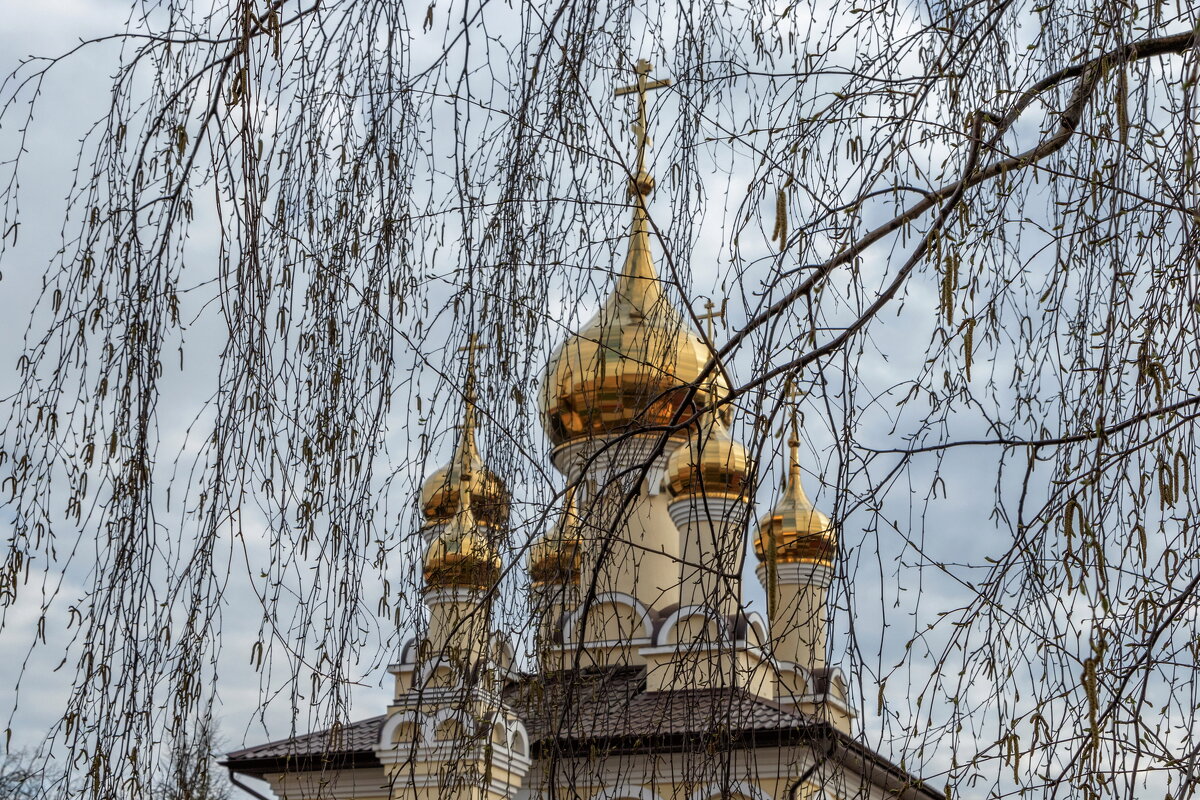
958	529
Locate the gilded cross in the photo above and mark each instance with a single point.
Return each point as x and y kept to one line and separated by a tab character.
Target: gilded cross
794	393
470	348
643	85
710	317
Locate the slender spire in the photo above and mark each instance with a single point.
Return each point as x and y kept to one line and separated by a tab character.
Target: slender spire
794	485
441	495
793	489
466	452
794	531
639	283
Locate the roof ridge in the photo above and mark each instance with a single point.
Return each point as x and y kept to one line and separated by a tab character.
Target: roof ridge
247	752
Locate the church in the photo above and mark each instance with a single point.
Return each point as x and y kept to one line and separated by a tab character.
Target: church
651	681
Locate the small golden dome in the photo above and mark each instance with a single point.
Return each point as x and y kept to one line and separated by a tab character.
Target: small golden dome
557	556
711	464
794	530
441	493
633	366
461	556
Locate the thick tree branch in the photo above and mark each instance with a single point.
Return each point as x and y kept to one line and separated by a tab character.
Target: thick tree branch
1087	73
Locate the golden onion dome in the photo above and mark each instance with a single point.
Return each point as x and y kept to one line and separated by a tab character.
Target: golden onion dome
556	557
711	464
795	532
461	556
633	366
441	495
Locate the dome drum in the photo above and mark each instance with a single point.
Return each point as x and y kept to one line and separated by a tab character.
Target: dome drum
729	510
796	574
600	457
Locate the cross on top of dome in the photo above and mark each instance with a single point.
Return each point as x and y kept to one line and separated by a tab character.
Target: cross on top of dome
642	184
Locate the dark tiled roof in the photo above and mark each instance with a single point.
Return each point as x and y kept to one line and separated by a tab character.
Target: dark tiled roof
611	705
567	709
353	738
600	710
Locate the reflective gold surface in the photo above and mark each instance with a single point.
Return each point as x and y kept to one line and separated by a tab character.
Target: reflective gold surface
461	556
557	556
795	530
632	366
441	493
711	464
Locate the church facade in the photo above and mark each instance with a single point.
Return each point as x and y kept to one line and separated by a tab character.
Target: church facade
651	681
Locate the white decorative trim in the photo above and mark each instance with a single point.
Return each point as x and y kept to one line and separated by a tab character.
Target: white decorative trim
691	611
828	698
569	458
625	644
429	532
616	598
682	512
453	695
714	790
425	672
507	651
720	648
691	508
408	653
626	791
470	746
804	673
394	722
515	728
453	594
435	720
798	574
759	623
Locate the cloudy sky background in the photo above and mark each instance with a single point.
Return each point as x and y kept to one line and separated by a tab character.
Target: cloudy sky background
895	594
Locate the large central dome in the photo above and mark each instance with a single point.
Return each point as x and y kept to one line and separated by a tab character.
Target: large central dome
634	365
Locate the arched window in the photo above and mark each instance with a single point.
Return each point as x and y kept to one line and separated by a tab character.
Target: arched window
406	733
449	729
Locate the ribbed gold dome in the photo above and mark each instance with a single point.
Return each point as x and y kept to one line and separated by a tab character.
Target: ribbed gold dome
461	556
796	531
711	464
632	366
556	557
441	493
